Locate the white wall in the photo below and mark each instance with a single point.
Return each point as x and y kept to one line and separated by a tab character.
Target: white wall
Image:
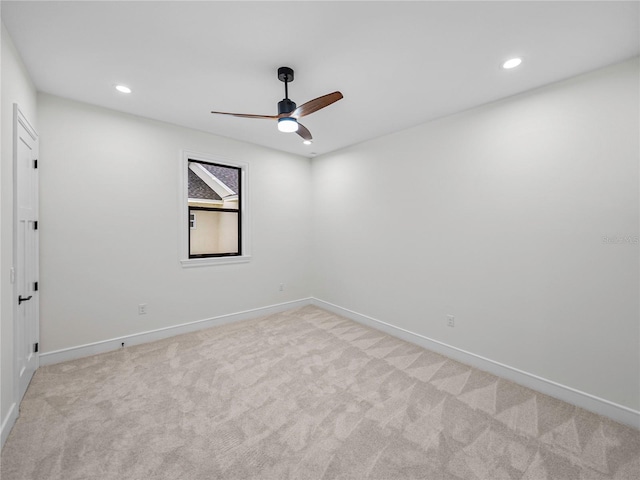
109	235
497	216
16	88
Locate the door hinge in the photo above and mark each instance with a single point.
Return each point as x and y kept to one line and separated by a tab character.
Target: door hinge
35	225
35	286
35	347
35	163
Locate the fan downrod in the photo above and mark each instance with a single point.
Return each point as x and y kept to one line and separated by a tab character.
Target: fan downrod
285	74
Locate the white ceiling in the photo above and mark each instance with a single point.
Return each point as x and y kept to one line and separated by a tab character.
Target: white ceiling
398	64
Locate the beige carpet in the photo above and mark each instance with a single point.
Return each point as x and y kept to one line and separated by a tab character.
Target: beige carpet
303	394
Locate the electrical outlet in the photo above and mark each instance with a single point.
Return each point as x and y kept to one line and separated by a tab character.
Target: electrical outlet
282	287
142	309
451	321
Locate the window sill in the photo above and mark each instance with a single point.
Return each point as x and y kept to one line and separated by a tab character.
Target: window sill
210	261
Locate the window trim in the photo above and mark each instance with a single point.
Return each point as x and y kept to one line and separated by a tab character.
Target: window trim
183	206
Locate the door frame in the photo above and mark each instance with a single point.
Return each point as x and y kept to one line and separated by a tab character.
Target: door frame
19	119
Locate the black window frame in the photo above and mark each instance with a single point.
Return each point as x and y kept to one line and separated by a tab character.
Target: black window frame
238	211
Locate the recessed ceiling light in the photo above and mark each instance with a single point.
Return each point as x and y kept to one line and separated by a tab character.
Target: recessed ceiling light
307	142
511	63
123	89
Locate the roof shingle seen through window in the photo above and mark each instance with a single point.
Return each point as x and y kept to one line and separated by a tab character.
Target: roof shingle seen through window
199	189
227	175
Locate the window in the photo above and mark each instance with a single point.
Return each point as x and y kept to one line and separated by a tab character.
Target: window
214	211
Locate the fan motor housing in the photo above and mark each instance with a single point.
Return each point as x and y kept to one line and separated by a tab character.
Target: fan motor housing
286	106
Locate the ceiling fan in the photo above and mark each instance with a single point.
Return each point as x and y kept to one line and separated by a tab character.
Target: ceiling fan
288	113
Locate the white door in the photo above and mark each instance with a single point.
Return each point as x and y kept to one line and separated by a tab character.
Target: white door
26	250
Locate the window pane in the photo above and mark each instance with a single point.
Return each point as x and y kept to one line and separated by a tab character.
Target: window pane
214	233
215	210
211	184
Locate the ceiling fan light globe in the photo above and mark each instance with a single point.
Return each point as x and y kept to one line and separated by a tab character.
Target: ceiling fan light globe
288	125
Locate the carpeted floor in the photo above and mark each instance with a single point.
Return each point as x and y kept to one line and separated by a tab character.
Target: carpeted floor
303	394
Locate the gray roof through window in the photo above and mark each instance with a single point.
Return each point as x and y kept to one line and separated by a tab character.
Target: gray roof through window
228	176
199	189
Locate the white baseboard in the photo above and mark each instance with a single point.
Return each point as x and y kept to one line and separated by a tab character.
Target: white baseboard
616	412
7	423
63	355
594	404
